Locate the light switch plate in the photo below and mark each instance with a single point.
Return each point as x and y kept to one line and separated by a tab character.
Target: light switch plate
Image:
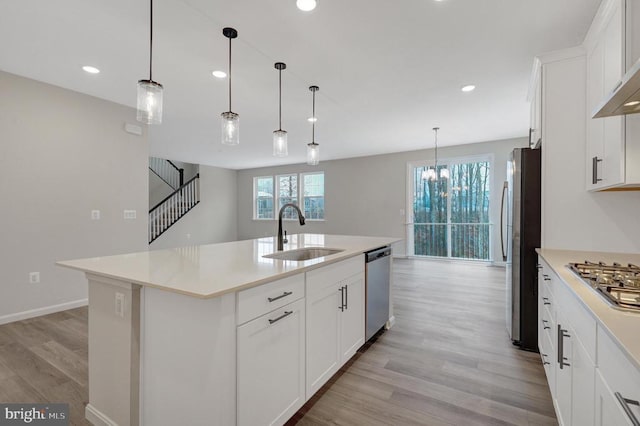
129	214
120	304
34	277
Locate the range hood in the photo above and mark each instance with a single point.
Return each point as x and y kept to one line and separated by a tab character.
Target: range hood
625	98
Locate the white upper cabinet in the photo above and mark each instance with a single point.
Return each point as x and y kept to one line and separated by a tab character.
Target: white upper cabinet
612	142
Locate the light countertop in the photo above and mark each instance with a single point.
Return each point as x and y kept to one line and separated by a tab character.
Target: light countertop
622	326
216	269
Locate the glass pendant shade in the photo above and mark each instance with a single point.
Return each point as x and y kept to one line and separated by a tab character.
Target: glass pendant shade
149	102
230	128
429	174
280	148
444	173
313	154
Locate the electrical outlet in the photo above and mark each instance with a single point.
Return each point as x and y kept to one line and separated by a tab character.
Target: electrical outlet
129	214
95	214
34	277
120	304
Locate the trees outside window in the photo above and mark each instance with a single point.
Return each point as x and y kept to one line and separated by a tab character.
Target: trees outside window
305	190
451	216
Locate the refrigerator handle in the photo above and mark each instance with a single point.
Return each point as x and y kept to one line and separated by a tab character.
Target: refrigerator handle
504	191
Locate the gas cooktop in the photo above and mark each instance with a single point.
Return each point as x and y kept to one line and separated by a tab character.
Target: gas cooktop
619	284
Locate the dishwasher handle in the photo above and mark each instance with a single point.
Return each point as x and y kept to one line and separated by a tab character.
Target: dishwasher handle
378	254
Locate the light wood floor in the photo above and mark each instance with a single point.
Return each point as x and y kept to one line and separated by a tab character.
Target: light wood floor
447	361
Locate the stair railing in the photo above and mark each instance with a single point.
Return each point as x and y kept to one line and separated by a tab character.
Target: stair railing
172	208
171	174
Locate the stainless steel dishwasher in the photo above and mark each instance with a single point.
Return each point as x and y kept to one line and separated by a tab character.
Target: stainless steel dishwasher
377	276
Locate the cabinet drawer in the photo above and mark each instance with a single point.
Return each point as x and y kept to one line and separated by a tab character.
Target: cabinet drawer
616	369
329	275
260	300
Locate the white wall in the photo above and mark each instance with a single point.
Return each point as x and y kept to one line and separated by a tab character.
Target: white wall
214	220
572	217
365	195
63	154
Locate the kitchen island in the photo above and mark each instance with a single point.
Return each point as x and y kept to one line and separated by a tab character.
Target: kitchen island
220	334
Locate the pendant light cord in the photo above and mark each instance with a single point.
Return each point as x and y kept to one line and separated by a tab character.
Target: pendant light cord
313	123
151	41
280	98
229	74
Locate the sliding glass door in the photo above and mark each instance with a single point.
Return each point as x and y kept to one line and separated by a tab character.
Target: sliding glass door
450	215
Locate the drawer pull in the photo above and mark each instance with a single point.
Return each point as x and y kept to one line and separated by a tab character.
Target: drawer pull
546	277
625	406
544	359
545	326
545	301
286	314
342	291
285	294
538	266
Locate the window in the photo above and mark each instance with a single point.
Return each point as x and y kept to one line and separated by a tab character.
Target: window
287	193
451	216
263	196
313	195
304	189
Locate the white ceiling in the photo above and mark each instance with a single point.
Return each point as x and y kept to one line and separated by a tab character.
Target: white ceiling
388	70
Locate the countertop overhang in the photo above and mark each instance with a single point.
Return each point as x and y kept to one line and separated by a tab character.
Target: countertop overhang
622	326
212	270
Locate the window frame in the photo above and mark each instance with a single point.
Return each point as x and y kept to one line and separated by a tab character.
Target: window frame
276	194
410	220
301	190
255	197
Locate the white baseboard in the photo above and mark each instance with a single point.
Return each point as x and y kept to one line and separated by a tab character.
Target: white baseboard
97	418
19	316
391	322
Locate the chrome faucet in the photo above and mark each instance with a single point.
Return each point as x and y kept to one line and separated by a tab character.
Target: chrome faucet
300	218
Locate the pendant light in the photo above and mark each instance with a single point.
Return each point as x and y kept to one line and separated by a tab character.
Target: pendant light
149	103
313	149
280	136
230	120
431	174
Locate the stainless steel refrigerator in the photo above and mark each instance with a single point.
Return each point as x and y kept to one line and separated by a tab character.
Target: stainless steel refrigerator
520	229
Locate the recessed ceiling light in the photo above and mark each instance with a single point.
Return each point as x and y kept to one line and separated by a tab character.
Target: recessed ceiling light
306	5
219	74
468	88
90	69
632	103
312	119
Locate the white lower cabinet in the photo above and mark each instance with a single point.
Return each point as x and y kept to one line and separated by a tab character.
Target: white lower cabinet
335	319
608	410
271	366
567	348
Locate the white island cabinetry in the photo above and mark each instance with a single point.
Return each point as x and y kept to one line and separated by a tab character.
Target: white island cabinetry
220	334
335	319
271	355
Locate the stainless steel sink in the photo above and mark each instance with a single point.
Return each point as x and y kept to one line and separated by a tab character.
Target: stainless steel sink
303	253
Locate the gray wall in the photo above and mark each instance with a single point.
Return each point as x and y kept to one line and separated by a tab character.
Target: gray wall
158	190
214	220
366	195
63	154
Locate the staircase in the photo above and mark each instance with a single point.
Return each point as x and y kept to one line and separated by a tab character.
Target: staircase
184	197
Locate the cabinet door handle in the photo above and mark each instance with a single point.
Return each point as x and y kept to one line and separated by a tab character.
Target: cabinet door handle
341	307
624	402
561	358
286	314
346	297
544	325
538	266
594	172
285	294
546	277
545	301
